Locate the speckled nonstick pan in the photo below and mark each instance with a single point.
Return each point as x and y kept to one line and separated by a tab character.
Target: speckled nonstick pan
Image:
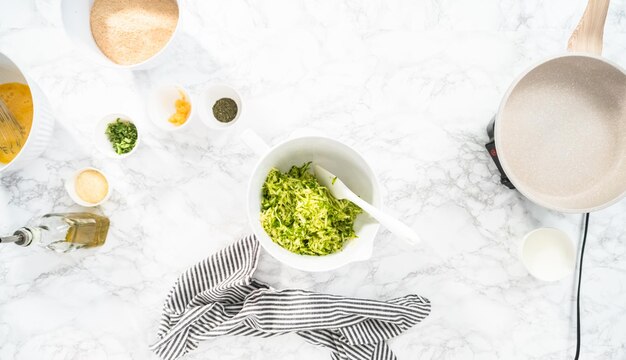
560	130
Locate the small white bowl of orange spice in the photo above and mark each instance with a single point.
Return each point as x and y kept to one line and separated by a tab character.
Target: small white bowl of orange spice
88	187
170	107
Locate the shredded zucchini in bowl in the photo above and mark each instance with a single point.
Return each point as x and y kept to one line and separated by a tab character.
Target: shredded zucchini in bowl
302	216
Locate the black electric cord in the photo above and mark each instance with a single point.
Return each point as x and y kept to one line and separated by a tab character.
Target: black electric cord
580	279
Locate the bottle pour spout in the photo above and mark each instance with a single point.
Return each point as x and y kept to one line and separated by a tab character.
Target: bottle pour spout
21	237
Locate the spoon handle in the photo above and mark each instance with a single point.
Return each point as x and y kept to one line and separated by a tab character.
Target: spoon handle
392	224
590	30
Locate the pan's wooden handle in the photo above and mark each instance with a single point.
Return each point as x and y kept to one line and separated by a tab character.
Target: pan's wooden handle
588	34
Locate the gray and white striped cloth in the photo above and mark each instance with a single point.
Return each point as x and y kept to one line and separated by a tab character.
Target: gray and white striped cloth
218	296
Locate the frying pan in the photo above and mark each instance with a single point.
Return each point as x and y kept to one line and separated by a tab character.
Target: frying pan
560	131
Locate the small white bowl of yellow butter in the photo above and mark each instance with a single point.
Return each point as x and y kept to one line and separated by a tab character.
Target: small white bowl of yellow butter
170	107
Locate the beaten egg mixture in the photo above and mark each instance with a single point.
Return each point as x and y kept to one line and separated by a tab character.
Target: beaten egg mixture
18	99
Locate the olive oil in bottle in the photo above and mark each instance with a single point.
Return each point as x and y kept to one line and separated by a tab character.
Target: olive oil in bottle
63	232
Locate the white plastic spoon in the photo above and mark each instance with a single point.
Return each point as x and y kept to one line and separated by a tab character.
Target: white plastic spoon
340	191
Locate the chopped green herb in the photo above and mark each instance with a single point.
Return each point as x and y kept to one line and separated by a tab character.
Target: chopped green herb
302	216
123	136
333	181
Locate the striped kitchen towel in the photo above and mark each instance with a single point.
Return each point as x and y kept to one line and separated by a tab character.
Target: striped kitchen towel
218	296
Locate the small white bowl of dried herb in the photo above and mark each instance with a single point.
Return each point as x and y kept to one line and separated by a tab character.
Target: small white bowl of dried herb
116	136
219	106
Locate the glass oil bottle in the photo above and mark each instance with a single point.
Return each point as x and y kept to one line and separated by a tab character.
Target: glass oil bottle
63	232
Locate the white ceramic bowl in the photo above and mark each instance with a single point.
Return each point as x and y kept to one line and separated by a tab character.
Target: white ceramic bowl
207	99
43	121
341	160
548	254
161	106
70	187
75	15
102	142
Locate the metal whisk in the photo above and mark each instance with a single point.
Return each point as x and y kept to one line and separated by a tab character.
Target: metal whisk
11	132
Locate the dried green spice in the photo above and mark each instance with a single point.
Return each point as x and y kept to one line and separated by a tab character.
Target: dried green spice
225	110
123	136
302	216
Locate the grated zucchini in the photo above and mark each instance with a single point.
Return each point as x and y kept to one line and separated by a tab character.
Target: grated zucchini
302	216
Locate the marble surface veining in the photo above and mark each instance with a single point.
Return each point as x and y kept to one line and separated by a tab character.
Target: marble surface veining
409	83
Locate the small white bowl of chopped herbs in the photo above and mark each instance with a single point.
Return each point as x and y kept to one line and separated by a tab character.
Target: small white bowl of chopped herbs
296	219
116	136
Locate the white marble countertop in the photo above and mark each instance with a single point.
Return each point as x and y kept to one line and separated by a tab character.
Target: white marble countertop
410	84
